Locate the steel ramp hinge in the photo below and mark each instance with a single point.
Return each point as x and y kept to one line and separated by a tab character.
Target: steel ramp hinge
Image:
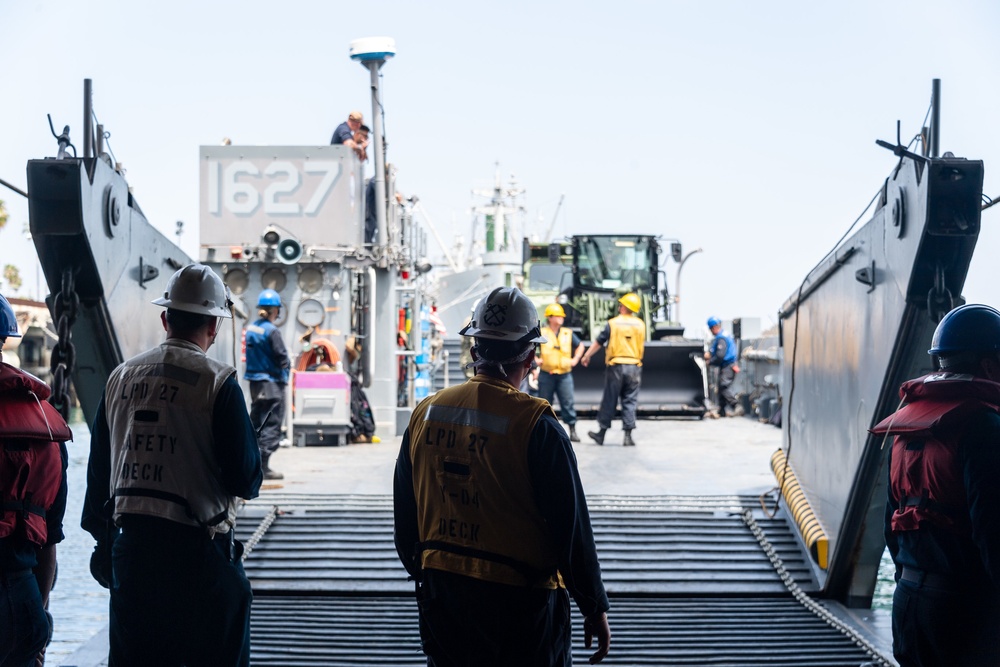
866	276
147	272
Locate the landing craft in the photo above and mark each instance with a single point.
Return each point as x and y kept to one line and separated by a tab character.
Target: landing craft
851	331
288	218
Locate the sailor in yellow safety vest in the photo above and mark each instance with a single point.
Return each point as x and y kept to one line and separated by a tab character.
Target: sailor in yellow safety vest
625	338
557	357
489	511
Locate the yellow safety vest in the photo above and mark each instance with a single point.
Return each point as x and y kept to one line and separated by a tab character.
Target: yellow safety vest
627	342
557	353
476	514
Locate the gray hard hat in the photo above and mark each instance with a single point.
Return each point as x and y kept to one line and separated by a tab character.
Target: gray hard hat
506	314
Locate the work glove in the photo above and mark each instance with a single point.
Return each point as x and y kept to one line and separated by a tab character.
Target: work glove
100	564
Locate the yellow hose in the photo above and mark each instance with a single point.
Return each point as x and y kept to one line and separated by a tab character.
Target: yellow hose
809	527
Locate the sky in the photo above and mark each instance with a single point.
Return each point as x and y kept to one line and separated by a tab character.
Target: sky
746	129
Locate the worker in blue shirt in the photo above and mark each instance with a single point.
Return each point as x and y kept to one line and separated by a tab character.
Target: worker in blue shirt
346	134
722	354
267	369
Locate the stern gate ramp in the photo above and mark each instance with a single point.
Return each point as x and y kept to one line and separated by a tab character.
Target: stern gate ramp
689	585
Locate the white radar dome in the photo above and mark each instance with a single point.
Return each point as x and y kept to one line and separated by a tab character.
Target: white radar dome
373	48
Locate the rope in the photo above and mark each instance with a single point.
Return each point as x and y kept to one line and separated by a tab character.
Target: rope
262	527
816	608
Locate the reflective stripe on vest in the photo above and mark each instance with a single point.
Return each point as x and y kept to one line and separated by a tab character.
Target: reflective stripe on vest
476	514
627	341
159	406
557	353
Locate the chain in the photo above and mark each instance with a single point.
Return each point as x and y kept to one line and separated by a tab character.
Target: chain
65	307
816	608
262	527
939	299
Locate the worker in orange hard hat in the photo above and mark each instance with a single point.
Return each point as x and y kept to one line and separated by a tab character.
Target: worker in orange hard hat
625	338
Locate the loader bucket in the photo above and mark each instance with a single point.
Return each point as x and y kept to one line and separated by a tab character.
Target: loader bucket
673	381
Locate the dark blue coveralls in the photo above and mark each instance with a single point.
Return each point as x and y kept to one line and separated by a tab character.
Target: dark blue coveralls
178	597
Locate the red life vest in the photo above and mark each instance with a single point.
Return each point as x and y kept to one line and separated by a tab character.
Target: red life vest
925	476
30	461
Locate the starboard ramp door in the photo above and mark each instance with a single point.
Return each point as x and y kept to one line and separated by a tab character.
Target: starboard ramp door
857	327
673	381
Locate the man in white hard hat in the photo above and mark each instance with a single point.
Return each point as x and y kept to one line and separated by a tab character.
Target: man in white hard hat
490	515
172	450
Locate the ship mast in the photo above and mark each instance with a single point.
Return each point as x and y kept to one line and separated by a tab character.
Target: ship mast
501	236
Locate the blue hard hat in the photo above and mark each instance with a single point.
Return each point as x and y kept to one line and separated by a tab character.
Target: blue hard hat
969	328
714	322
268	298
8	322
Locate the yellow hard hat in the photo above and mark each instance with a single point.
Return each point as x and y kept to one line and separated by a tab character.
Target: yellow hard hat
631	301
554	310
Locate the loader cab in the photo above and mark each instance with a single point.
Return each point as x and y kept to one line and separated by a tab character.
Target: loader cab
548	270
606	267
616	263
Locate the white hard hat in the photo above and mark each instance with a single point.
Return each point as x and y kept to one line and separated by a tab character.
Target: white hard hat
506	314
197	289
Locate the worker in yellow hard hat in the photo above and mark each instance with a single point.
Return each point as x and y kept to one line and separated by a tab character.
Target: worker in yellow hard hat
557	357
625	338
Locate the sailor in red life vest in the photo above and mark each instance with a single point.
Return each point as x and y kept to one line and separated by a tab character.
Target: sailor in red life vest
489	511
33	496
943	512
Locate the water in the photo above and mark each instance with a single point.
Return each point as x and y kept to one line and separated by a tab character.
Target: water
885	585
79	606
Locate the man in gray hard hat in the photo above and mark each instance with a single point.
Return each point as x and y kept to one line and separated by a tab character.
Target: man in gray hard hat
490	514
172	449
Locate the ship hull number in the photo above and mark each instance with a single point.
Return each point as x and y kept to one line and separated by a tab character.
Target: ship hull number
242	188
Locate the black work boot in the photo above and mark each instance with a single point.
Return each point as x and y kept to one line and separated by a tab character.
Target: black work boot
628	442
573	437
266	469
597	436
